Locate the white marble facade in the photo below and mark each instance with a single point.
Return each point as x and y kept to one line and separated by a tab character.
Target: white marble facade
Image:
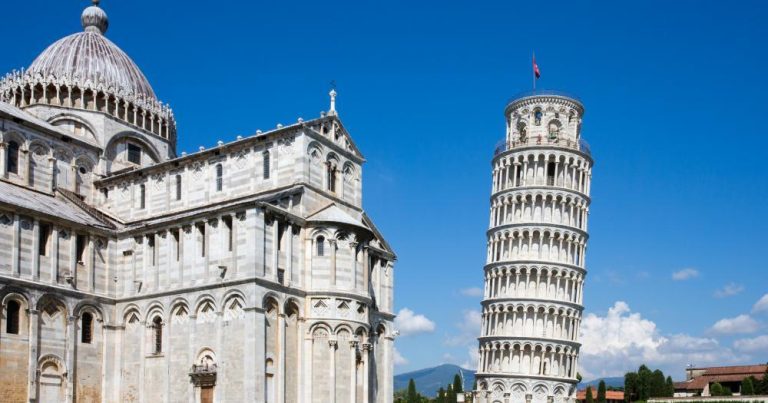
534	273
247	272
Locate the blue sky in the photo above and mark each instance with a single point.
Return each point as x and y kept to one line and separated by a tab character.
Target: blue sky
676	107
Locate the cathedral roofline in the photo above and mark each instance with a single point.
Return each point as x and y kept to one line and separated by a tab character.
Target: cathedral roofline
21	116
231	146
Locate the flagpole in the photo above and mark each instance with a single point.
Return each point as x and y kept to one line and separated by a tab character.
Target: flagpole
533	71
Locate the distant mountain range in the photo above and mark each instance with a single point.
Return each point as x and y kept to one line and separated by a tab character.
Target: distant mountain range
429	380
616	382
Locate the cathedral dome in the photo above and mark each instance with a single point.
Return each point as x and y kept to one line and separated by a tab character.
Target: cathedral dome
89	56
86	71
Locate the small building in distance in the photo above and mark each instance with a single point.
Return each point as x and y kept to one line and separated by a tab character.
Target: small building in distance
611	396
699	380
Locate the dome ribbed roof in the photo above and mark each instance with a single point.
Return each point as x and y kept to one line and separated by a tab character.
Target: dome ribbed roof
90	56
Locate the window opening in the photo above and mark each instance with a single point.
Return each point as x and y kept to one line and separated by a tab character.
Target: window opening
219	177
86	328
134	154
320	246
13	157
266	164
12	317
80	248
45	235
230	234
157	328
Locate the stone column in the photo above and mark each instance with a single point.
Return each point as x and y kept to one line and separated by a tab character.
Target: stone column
34	319
27	167
353	371
15	264
54	254
280	375
90	264
35	249
306	380
355	268
332	244
3	156
366	372
366	270
289	257
71	339
332	368
275	242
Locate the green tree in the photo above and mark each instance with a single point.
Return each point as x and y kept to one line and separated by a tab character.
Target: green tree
450	396
716	389
670	389
412	396
747	387
658	386
400	396
763	388
440	396
601	392
644	375
458	386
630	386
590	399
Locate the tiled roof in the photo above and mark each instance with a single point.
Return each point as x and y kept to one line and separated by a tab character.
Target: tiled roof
743	369
45	204
721	374
609	394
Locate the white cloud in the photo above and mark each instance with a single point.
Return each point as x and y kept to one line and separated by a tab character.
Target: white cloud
755	345
685	274
469	329
738	324
729	290
471	292
473	358
622	340
761	305
398	359
410	323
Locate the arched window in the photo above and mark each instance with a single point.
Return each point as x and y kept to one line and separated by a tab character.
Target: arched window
12	163
178	187
86	328
12	317
157	334
551	174
266	166
219	177
142	196
331	180
554	129
523	131
320	246
134	154
537	115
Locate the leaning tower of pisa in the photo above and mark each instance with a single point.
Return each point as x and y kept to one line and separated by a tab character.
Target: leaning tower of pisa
534	272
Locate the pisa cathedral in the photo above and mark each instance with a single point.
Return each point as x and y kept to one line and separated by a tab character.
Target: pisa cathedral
535	268
247	272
